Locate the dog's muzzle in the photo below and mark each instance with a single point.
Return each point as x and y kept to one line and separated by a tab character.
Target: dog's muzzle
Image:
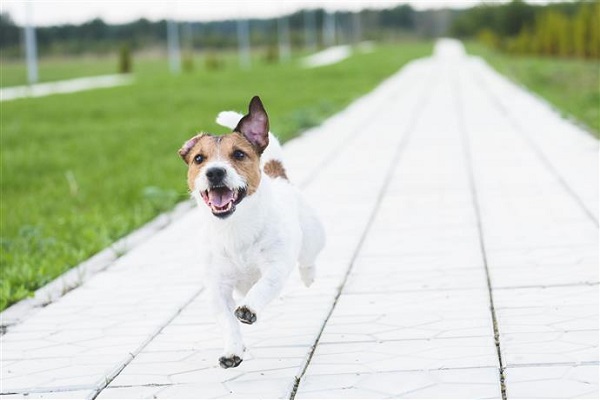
222	200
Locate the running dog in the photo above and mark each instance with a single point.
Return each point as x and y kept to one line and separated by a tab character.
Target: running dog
258	224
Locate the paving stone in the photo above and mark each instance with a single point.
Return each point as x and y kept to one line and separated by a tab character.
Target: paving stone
550	347
473	383
553	382
407	355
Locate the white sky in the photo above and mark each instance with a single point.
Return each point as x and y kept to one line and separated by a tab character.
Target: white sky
52	12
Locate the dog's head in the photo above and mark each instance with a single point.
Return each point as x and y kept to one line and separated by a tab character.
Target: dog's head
222	170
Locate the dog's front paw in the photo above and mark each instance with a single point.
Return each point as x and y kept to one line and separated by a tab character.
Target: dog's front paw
245	315
230	361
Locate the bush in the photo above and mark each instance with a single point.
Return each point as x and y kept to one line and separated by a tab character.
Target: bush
125	64
562	29
213	62
187	61
272	55
489	38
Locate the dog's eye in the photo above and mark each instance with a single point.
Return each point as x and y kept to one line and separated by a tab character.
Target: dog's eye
239	155
199	158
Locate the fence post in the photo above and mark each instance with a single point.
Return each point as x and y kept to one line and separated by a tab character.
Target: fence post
283	30
173	46
243	32
30	45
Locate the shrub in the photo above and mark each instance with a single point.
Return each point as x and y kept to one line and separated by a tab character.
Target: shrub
125	64
213	62
489	38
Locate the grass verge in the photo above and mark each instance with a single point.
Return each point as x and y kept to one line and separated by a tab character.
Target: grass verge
571	85
81	170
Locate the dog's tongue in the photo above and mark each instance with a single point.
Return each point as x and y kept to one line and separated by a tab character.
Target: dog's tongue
219	197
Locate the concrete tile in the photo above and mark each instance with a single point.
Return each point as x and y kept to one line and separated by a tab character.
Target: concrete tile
408	354
553	381
549	347
482	383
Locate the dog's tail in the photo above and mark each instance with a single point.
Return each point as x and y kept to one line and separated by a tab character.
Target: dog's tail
229	119
272	157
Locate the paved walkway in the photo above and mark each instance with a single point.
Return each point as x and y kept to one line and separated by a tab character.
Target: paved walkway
462	262
66	86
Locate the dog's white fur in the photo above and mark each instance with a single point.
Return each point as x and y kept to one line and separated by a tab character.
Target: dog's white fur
254	250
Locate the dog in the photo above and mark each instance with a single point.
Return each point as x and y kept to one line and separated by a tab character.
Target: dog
258	225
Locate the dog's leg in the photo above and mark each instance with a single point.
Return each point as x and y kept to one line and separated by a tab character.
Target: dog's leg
265	290
221	295
313	241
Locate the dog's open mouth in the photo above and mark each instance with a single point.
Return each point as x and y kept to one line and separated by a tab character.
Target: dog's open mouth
222	200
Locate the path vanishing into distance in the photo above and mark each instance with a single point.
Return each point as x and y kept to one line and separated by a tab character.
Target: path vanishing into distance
462	262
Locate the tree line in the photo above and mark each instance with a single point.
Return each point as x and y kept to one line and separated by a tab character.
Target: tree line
558	29
96	36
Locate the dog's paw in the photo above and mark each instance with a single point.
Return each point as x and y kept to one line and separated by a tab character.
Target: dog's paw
230	361
245	315
307	274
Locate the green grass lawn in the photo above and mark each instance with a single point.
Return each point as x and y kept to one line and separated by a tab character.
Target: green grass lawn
571	85
81	170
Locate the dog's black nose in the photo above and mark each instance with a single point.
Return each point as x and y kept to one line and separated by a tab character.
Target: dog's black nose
215	175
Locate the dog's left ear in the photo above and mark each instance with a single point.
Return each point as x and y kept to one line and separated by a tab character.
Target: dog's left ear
255	125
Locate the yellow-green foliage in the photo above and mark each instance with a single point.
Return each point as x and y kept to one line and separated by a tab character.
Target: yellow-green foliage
554	32
488	38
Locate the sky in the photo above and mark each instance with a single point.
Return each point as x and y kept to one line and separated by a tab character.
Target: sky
54	12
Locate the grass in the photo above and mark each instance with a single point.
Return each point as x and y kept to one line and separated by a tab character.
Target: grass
571	85
81	170
54	69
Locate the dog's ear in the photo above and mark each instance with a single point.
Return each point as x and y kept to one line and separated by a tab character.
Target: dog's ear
255	125
184	151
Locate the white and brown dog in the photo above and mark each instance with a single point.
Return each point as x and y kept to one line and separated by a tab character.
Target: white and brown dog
259	226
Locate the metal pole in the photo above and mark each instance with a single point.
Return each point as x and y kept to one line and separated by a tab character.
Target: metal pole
310	30
243	31
30	45
329	29
357	28
283	28
173	46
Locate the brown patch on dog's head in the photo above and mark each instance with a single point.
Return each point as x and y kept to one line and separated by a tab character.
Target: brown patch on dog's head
244	159
274	168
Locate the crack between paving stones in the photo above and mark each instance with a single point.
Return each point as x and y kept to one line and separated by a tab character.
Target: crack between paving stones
474	198
556	364
26	392
533	145
389	173
550	286
116	371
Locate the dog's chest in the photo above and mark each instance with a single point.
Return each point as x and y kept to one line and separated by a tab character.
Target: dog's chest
242	253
